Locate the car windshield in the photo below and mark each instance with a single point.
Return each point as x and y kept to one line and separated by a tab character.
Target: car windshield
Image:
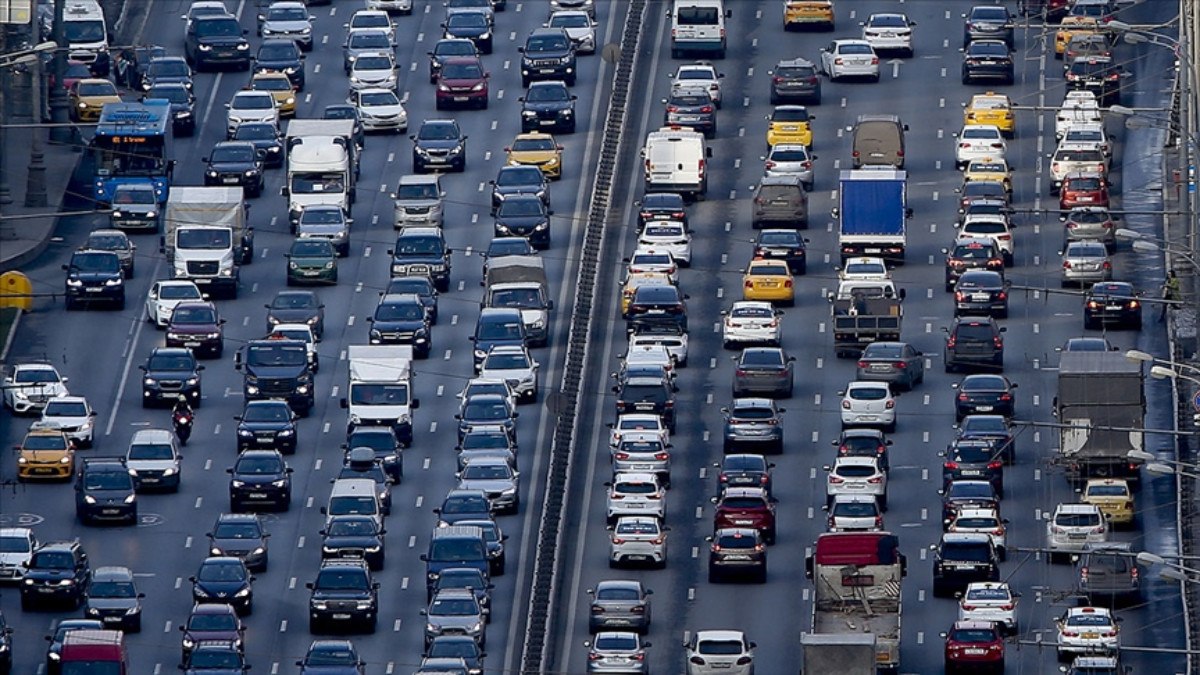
351	527
854	48
887	21
364	20
397	311
976	523
517	297
112	589
1088	217
762	357
454	48
462	71
485	411
972	635
342	580
521	208
320	216
635	488
213	239
45	442
169	68
134	196
194	315
330	656
985	424
1088	184
106	480
287	14
221	27
467	20
373	63
453	607
569	21
854	470
279	52
506	362
348	506
720	647
989	14
486	471
272	84
1088	620
883	351
97	89
465	504
456	549
244	102
52	560
178	292
987	594
743	503
14	545
65	409
259	466
419	245
234	153
379	98
151	451
984	383
236	531
174	94
691	100
855	509
753	312
95	262
980	132
519	176
753	413
987	50
272	412
212	622
616	642
1108	491
360	40
277	355
547	43
216	659
438	132
312	248
499	330
778	239
481	440
985	227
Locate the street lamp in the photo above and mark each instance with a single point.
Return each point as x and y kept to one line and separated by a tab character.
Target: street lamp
1164	469
1165	373
27	55
1146	244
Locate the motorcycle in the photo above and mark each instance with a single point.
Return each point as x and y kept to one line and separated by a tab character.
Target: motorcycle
182	420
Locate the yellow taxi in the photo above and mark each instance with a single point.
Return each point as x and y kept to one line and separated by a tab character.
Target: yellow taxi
1112	496
280	86
89	95
989	168
1070	27
769	281
991	108
637	280
537	149
798	14
790	124
45	454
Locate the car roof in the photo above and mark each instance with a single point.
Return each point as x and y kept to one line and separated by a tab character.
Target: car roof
112	573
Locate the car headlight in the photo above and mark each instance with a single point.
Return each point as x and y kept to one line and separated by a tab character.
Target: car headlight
168	472
475	627
208	48
244	46
237	483
88	499
291	100
82	105
188	642
478	87
362	606
211	173
242	593
373	549
329	265
149	382
131	499
116	214
306	31
192	381
503	228
442	87
541	226
376	335
251	389
74	283
66	460
114	282
279	483
328	549
320	605
286	432
354	79
293	266
456	150
250	173
199	592
259	551
213	336
215	551
312	321
539	324
245	433
302	389
529	113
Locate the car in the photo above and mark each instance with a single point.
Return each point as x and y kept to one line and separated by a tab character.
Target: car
991	601
1108	575
287	19
1079	108
1099	74
1088	135
742	471
1071	528
635	494
661	206
325	224
343	594
354	536
668	235
1101	10
260	478
58	633
524	215
379	110
795	79
653	260
364	41
988	22
235	163
282	55
973	342
214	658
154	461
588	6
135	205
105	492
402	319
984	393
655	306
863	442
963	558
455	611
790	125
548	54
447	48
472	578
493	538
983	191
868	403
548	105
736	552
1087	630
196	325
92	277
311	261
513	364
462	80
1090	223
691	107
209	622
638	540
117	242
512	181
250	106
27	387
976	141
746	507
280	86
1113	496
240	536
224	579
991	427
889	32
1087	344
856	474
700	74
640	426
474	26
981	292
496	478
332	657
1071	157
849	58
266	139
113	598
974	647
991	109
988	60
580	27
166	70
897	363
1112	303
45	454
372	19
132	62
374	70
267	423
1094	665
617	652
1084	188
971	253
719	651
670	338
753	422
1070	28
297	307
439	144
538	149
770	281
620	604
764	370
17	545
750	322
790	159
57	572
70	415
462	505
1085	261
984	521
88	96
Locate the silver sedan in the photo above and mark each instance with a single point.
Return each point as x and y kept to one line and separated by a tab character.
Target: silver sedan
1085	262
617	652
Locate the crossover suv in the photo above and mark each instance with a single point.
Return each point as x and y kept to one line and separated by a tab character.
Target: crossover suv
548	54
974	342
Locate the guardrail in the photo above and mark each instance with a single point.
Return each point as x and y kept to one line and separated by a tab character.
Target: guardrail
549	534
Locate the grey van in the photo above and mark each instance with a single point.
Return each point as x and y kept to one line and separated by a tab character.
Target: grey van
878	141
780	201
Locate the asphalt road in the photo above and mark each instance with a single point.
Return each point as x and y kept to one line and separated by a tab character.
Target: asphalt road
100	352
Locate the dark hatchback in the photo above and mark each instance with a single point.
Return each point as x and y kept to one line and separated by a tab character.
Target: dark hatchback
281	55
988	60
94	276
332	657
265	138
260	478
984	393
742	471
647	395
235	163
1108	575
1112	303
994	428
961	559
661	206
439	144
196	325
470	25
240	536
788	245
423	288
217	40
183	105
737	552
170	372
548	54
297	307
519	180
971	253
767	371
167	69
524	215
548	106
973	342
105	492
224	579
211	622
981	292
961	494
864	443
795	80
269	423
1098	74
654	305
973	459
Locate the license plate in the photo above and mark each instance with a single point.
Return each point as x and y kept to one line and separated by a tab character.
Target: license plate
971	472
1080	537
341	617
45	590
461	99
975	652
92	290
111	619
258	495
642	467
980	297
881	368
545	71
689	118
1113	307
311	273
546	123
638	557
110	512
743	522
149	480
230	180
1085	199
867	418
984	408
873	250
192	343
736	557
1090	636
644	406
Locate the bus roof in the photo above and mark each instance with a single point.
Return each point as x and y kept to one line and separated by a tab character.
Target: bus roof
150	117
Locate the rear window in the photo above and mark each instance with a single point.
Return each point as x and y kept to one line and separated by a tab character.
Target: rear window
1079	156
966	552
795	72
1077	519
973	635
1083	184
980	332
1117	564
790	115
743	503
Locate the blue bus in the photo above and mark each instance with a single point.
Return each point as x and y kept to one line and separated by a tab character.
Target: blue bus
132	145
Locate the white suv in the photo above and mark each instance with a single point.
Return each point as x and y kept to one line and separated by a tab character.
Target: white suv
635	494
638	539
1073	526
977	141
856	476
989	226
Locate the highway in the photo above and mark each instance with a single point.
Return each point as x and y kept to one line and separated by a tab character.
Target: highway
100	352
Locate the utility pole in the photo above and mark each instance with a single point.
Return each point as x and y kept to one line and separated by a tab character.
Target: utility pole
5	197
61	132
35	185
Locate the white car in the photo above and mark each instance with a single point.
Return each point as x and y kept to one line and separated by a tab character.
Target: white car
488	385
373	70
203	8
28	386
855	513
751	322
373	19
646	259
1073	526
512	364
851	475
71	415
379	110
1087	630
889	32
250	106
638	539
635	494
163	297
977	141
16	549
1071	157
674	341
655	356
287	19
864	269
983	521
790	159
641	425
724	652
868	404
671	236
401	6
700	73
1090	135
990	226
1079	107
989	601
579	26
302	332
849	58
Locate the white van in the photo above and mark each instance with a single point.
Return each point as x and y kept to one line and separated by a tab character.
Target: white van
87	35
354	497
698	27
676	160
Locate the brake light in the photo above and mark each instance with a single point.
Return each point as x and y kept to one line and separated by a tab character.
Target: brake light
879	521
874	60
807	165
875	480
1133	573
962	396
998	342
854	153
960	296
1002	296
770	164
695	659
1066	264
950	466
1008	608
777	79
749	284
638	609
862	364
1054	166
618	540
812	80
787	283
964	144
672	109
1083	574
1005	397
891	403
657	541
706	109
837	62
836	480
845	405
621	455
662	456
968	608
596	609
1107	265
997	145
899	153
951	342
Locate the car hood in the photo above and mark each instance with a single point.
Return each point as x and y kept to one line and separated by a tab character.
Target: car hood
49	574
171	79
257	478
93	277
193	328
229	167
311	260
291	315
400	324
521	222
59	423
539	106
351	541
381	110
438	144
108	496
322	229
278	64
222	40
231	544
221	589
487	485
110	604
151	464
330	594
468	31
264	426
511	375
288	25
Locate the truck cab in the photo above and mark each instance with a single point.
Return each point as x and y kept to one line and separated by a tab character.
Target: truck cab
519	282
380	391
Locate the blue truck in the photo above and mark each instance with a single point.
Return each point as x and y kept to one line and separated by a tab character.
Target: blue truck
873	212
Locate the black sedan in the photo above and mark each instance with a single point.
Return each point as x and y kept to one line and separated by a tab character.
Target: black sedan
984	393
266	139
260	478
960	494
235	163
183	105
524	215
661	206
1112	303
226	580
992	427
548	106
988	60
519	180
786	244
332	657
297	307
268	423
657	305
402	319
470	25
982	292
970	459
170	372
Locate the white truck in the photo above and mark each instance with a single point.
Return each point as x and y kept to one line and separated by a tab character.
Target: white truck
322	165
519	281
207	237
380	391
676	160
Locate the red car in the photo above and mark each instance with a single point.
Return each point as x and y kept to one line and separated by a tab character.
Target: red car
462	81
196	325
746	507
974	647
1083	189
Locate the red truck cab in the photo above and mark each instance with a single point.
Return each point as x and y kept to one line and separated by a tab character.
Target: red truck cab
94	652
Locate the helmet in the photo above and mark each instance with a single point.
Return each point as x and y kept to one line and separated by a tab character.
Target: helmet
181	398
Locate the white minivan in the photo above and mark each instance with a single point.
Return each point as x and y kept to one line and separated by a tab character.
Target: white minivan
676	160
698	27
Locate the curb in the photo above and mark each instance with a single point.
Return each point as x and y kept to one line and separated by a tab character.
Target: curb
12	335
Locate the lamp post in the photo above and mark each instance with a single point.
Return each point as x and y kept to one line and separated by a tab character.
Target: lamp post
1147	357
61	132
1146	244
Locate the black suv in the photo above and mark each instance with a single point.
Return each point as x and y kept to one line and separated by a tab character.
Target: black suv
737	551
549	106
281	55
974	342
94	276
962	558
1098	74
260	478
795	80
218	40
183	105
439	144
355	537
1112	302
657	305
974	459
788	245
971	253
168	373
57	571
235	163
647	395
988	60
422	251
268	423
519	180
524	215
548	54
343	594
661	206
240	535
104	491
383	442
402	319
981	292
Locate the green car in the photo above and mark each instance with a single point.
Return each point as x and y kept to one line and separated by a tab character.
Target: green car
312	261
